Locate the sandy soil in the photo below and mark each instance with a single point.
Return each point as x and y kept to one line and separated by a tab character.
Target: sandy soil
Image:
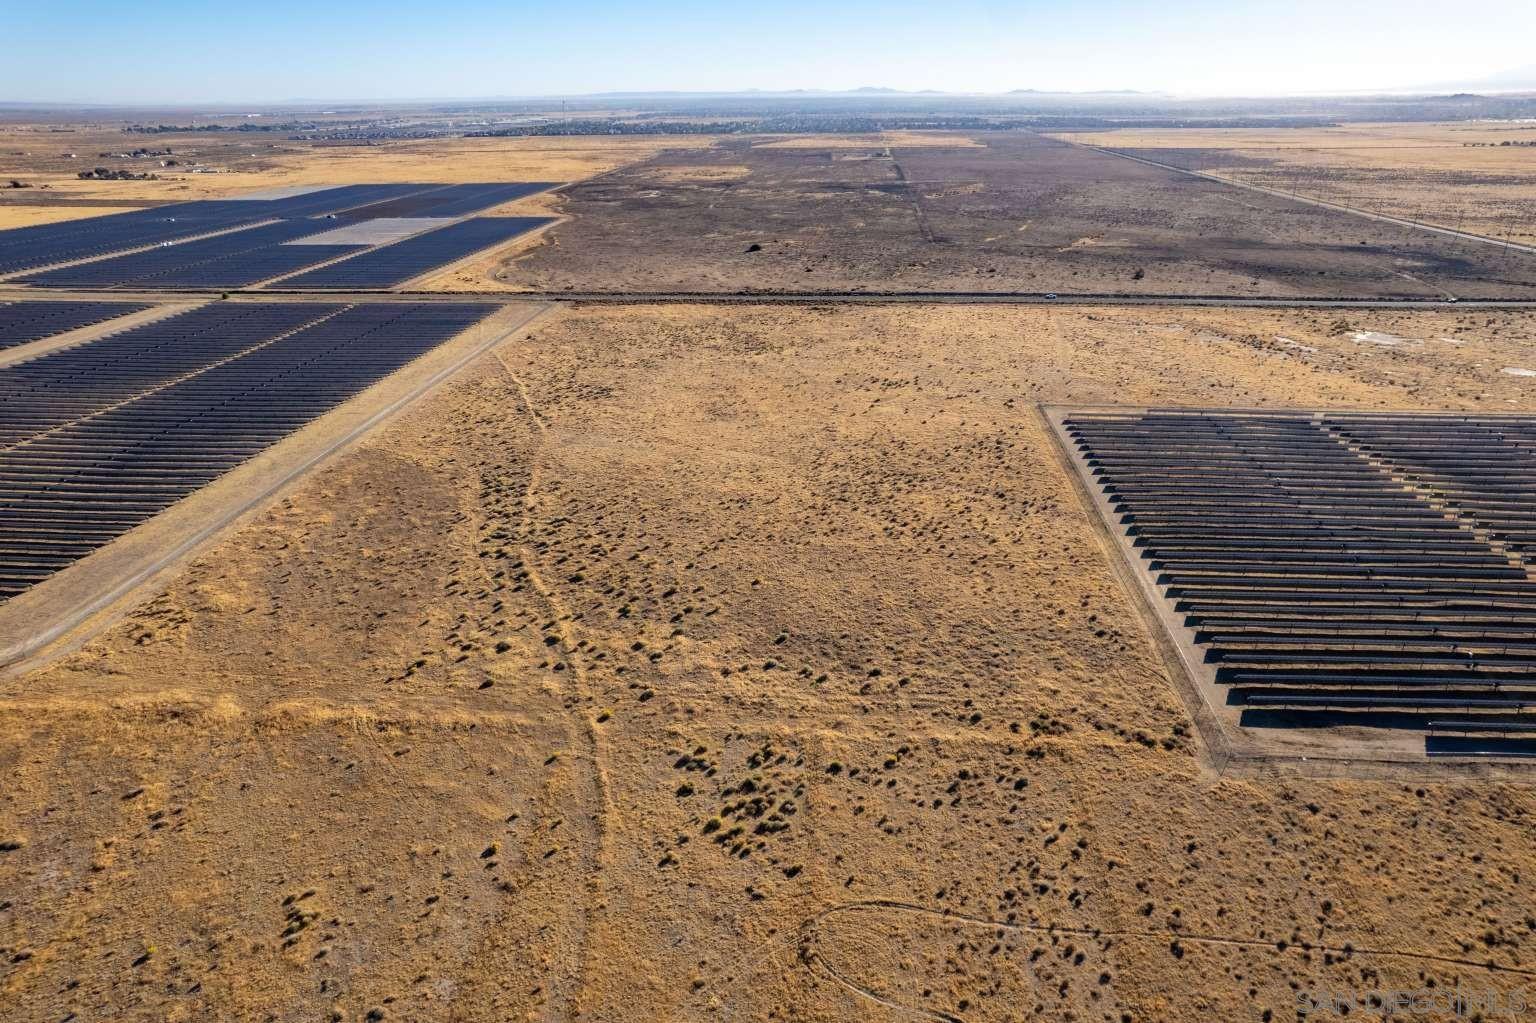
736	664
1456	175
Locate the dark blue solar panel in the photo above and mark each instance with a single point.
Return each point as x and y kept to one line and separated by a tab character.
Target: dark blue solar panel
398	263
449	200
44	393
416	204
1335	564
233	260
466	200
93	478
243	269
45	244
336	200
27	248
24	322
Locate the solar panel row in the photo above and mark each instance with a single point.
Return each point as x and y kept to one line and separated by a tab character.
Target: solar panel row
48	392
395	264
451	200
24	322
46	244
67	492
233	260
1359	562
465	200
28	248
334	201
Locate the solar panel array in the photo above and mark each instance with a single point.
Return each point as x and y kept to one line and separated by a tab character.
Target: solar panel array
26	248
165	248
234	260
48	392
24	322
395	264
92	445
334	201
41	245
451	200
1374	568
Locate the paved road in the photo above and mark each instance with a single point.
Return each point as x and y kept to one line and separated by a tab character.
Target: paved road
1003	298
774	298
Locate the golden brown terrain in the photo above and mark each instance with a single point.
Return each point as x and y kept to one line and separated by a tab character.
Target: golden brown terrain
741	664
39	157
1459	175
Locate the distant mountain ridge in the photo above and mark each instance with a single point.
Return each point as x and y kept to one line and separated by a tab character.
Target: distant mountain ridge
1487	89
1520	79
863	90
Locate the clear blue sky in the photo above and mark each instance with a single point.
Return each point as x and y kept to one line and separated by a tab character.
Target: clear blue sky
180	51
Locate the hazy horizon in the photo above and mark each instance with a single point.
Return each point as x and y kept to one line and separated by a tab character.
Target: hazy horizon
248	105
174	54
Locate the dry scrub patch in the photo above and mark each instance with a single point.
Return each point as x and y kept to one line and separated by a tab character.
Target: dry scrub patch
1009	215
686	175
1453	175
753	663
884	139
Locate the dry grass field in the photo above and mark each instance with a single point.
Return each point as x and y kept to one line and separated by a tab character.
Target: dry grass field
39	158
1455	175
733	664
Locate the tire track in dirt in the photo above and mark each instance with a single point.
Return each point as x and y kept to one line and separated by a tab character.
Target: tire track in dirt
917	201
593	815
490	969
